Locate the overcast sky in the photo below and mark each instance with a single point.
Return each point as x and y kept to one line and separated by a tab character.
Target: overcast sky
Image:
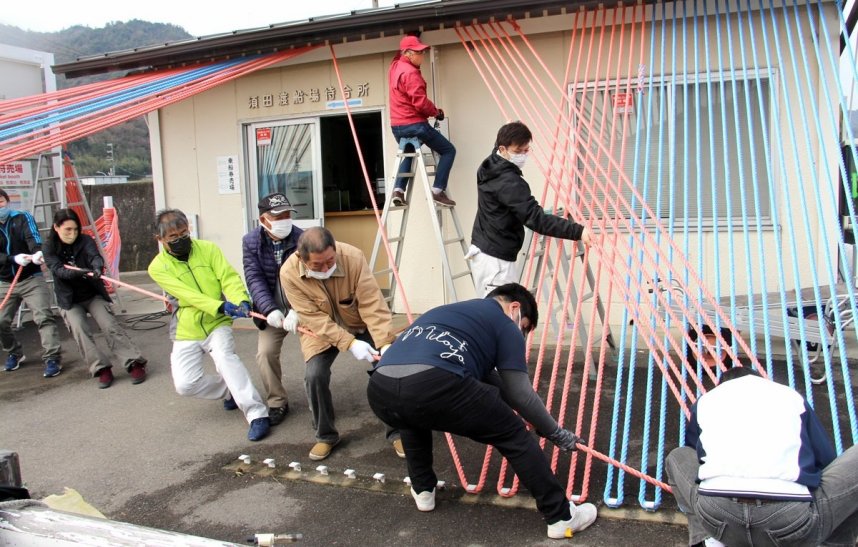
197	17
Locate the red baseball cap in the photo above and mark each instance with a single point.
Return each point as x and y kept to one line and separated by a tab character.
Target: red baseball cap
413	43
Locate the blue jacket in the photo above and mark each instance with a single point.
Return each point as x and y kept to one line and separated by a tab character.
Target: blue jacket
262	272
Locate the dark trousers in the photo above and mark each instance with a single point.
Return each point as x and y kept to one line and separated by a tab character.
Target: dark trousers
432	138
437	400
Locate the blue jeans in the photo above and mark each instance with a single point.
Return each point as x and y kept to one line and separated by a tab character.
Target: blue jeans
830	519
437	400
432	138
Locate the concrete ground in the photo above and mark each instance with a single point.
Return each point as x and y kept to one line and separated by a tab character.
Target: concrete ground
144	455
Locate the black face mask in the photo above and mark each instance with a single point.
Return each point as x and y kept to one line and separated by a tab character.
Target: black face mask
180	246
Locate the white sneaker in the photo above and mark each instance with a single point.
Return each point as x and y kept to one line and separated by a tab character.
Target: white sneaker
582	516
712	542
425	500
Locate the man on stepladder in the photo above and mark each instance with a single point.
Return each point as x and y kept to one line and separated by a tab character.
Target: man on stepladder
504	207
410	109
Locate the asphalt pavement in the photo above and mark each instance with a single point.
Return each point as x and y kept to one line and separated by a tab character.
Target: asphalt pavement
144	455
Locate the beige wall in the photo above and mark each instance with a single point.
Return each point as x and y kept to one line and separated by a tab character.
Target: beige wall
194	132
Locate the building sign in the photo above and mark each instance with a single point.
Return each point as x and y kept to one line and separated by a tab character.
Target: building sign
263	136
334	105
624	103
16	173
227	175
287	97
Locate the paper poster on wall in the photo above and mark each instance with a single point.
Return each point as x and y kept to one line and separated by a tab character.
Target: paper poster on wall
263	136
227	175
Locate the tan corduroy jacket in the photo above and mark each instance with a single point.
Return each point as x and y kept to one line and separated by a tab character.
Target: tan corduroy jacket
338	308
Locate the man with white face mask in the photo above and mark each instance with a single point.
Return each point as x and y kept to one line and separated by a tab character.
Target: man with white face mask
331	287
264	250
504	207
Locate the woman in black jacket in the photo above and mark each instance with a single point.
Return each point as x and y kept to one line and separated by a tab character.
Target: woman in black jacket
82	291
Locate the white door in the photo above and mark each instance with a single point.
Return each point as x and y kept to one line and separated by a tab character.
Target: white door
285	156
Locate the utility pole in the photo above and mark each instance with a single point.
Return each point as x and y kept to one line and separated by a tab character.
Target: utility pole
110	160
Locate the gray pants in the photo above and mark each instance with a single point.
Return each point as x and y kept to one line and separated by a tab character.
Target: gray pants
317	382
33	291
268	350
830	519
121	346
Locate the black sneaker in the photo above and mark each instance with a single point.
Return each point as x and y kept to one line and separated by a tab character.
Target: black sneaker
230	404
277	415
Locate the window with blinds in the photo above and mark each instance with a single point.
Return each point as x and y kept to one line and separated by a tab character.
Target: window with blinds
692	150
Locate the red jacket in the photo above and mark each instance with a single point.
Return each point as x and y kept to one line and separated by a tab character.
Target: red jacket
408	101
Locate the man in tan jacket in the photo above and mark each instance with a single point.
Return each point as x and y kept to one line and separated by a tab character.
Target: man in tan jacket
331	287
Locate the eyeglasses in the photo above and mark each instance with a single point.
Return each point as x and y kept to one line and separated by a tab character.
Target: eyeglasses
178	239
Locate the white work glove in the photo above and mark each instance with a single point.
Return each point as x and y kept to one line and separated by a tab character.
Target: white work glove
290	324
362	350
275	319
23	260
38	258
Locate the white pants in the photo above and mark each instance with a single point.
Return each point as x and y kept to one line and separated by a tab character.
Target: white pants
186	362
490	272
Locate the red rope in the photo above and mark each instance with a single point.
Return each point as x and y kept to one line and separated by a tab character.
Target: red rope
47	138
11	286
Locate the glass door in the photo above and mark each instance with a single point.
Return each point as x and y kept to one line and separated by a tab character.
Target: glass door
284	156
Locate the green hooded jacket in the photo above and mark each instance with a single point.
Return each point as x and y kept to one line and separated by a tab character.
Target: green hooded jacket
199	285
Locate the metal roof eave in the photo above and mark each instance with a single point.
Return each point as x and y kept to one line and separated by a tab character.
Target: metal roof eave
317	31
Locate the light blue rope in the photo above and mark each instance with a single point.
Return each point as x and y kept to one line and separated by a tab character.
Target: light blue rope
20	127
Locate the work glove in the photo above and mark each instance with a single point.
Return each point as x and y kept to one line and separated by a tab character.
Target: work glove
440	115
38	258
362	350
290	324
96	274
275	319
565	439
22	259
236	311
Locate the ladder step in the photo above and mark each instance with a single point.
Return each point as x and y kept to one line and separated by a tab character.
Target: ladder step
48	179
454	240
462	274
47	204
384	271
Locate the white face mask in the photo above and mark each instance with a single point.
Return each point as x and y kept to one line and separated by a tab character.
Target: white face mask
518	160
280	228
518	322
322	275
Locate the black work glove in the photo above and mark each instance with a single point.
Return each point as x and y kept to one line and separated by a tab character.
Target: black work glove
440	115
96	274
565	439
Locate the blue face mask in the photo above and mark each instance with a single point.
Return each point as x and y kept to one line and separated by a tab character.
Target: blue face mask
4	213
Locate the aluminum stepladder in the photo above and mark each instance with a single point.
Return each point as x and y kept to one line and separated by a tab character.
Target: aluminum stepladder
419	174
571	250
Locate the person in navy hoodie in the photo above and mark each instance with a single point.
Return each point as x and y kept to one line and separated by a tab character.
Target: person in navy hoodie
758	468
410	110
21	249
264	250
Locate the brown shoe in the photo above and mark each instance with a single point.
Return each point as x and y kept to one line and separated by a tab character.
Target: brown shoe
398	198
320	451
398	448
442	199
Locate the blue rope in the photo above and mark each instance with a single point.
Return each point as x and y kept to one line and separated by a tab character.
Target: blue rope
19	127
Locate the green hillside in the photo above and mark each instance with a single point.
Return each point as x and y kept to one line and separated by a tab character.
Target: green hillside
131	139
